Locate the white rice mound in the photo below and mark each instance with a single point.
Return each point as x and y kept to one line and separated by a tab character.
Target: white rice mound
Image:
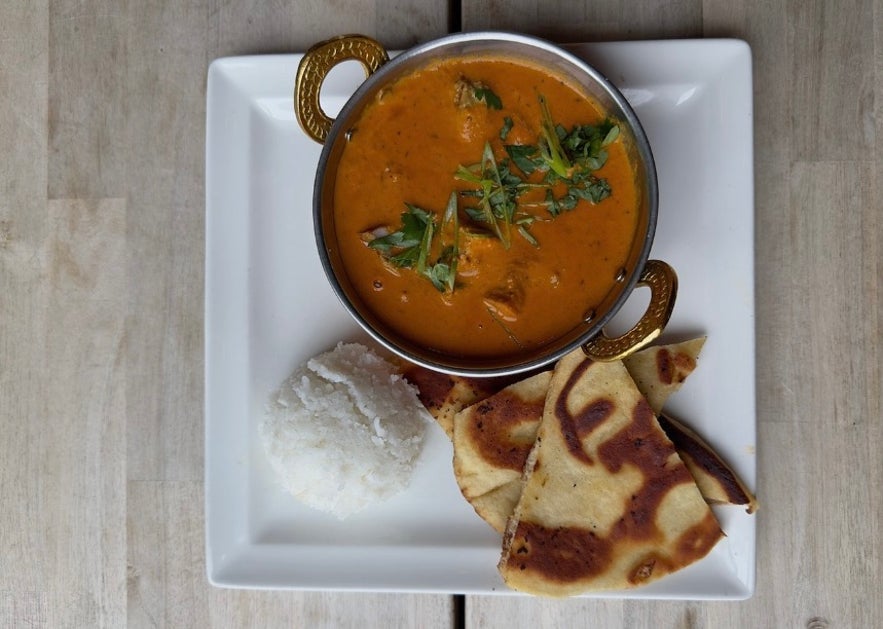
344	431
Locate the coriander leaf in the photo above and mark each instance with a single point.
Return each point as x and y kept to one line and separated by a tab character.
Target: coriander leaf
442	276
407	258
511	181
487	96
391	241
526	157
506	128
551	204
596	162
475	214
465	174
611	135
405	247
599	190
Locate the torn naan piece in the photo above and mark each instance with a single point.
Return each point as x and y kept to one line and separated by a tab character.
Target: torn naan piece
492	438
606	502
660	370
717	482
444	395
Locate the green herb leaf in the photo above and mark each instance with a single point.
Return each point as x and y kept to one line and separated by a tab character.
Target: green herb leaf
475	214
425	244
448	260
522	226
528	236
526	157
442	276
596	190
611	136
496	193
506	128
487	96
404	247
550	145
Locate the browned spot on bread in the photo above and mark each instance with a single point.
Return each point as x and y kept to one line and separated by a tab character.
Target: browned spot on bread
684	365
560	554
436	390
492	427
664	366
577	426
707	460
652	564
644	571
640	445
432	387
698	540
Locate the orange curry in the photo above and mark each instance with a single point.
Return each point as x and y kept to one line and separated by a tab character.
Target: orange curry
520	282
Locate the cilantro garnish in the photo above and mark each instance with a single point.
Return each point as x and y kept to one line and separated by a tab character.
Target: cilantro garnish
487	96
570	157
550	145
403	247
491	200
411	245
506	128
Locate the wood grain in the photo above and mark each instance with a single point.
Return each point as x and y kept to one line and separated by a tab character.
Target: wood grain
24	295
604	20
165	83
102	114
64	551
87	117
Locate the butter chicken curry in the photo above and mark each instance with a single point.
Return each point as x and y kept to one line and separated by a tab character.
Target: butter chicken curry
484	207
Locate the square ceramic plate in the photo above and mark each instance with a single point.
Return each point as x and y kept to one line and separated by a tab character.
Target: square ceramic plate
269	308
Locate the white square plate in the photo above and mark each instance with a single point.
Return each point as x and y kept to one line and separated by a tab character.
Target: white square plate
269	308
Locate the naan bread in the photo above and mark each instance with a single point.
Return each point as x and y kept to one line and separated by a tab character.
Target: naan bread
717	482
444	395
492	438
606	501
660	370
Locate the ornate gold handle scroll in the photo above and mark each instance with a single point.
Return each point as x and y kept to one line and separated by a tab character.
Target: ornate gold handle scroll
663	284
315	66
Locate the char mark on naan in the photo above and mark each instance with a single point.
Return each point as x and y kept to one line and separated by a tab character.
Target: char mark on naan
717	481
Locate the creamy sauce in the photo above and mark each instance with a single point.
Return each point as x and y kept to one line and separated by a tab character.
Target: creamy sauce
406	147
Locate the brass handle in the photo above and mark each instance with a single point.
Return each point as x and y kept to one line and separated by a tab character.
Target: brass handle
663	284
315	66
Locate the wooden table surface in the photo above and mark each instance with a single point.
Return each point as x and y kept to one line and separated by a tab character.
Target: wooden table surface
102	122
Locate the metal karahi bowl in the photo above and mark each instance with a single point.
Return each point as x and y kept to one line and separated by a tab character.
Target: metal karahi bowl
382	72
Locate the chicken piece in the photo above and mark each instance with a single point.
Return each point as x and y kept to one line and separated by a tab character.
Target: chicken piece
506	300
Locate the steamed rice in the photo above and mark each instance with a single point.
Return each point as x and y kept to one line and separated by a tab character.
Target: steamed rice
344	431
